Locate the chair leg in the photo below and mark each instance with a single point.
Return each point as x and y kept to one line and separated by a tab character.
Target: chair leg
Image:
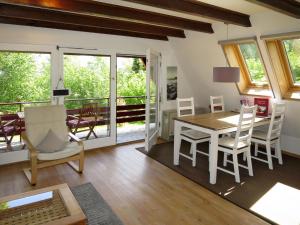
278	152
191	148
194	153
249	162
225	159
236	168
256	149
269	155
81	162
244	156
31	173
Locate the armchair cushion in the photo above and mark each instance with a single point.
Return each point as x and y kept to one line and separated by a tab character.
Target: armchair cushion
51	143
70	149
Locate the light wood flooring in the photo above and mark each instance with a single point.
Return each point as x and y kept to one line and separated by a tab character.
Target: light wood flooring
139	189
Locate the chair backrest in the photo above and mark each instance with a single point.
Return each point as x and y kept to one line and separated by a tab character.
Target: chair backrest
40	119
185	107
245	125
89	110
276	121
217	104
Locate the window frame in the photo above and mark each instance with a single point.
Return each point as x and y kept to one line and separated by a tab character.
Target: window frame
280	64
246	86
291	75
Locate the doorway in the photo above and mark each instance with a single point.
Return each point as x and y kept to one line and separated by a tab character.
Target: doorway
131	92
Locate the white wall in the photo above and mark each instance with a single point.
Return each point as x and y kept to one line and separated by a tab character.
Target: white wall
198	53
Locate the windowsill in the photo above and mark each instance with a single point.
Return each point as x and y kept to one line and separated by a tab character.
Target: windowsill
258	91
292	95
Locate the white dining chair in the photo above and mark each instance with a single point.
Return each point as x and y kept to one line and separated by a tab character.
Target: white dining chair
217	104
240	143
270	137
186	107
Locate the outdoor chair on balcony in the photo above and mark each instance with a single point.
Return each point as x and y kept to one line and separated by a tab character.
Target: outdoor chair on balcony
48	140
86	121
8	128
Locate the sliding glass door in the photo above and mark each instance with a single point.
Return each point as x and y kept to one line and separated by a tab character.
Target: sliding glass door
87	75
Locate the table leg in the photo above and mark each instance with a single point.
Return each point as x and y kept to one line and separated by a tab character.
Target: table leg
177	129
213	157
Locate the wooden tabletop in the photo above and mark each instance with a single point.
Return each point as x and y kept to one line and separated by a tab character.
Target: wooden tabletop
75	213
215	121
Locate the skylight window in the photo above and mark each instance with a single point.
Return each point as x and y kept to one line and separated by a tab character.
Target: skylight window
292	49
253	63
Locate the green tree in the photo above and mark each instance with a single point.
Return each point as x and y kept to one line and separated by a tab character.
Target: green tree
23	79
87	80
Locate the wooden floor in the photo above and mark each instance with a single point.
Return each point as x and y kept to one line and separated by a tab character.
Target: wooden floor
139	189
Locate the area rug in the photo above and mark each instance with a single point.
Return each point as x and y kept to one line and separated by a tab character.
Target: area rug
94	206
244	194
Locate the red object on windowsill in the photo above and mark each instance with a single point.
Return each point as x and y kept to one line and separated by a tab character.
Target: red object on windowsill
262	106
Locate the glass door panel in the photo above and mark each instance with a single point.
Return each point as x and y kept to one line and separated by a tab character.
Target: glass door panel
88	105
152	103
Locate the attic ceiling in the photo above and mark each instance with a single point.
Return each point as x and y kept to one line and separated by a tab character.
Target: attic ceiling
153	19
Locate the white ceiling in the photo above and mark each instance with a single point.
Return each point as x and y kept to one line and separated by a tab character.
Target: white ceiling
236	5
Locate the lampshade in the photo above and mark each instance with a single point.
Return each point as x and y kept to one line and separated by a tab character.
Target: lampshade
226	74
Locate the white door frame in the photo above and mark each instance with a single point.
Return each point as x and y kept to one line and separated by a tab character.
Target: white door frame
151	140
106	141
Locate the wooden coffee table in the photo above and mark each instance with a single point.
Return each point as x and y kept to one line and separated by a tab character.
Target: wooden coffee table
52	205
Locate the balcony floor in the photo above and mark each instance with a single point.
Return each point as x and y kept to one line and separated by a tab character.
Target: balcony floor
125	133
130	132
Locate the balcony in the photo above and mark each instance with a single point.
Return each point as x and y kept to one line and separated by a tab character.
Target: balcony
130	119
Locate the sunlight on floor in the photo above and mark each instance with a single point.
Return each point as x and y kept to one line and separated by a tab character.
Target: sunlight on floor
280	204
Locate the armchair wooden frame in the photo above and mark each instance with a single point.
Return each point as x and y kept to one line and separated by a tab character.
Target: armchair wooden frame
35	164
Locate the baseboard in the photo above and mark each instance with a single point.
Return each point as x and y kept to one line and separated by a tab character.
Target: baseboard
291	154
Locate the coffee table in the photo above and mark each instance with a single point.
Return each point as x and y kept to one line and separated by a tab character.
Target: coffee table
51	206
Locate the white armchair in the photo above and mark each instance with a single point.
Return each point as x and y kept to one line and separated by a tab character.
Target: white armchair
38	122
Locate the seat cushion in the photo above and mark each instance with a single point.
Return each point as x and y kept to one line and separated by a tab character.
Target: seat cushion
228	142
51	143
194	134
78	123
7	130
69	150
262	135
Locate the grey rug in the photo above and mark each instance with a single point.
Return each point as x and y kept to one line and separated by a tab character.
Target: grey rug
94	206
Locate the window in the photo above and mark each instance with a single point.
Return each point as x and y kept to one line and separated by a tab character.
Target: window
24	79
245	54
253	62
292	50
284	52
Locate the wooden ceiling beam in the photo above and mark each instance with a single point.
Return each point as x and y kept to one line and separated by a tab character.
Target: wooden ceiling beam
193	7
45	15
61	26
287	7
100	8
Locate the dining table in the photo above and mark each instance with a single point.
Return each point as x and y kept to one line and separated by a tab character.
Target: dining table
214	124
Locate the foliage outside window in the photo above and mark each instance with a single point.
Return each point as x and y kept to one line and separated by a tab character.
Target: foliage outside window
87	76
253	62
24	77
292	50
131	80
